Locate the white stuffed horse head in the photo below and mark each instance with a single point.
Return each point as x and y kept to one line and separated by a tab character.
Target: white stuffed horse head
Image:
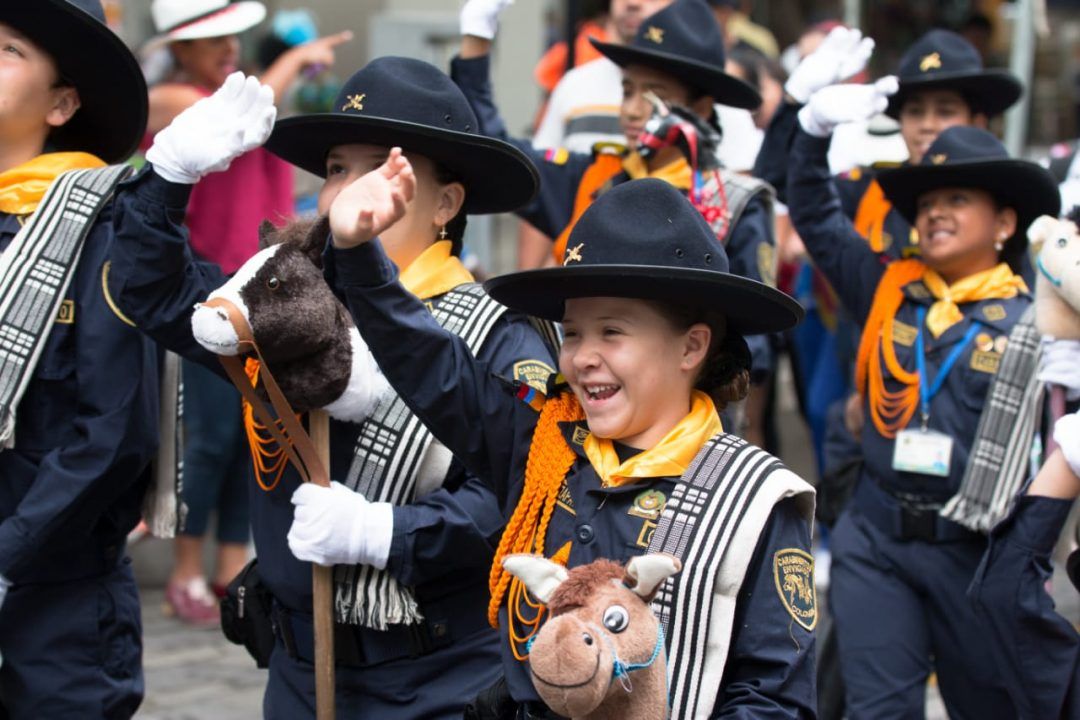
1056	243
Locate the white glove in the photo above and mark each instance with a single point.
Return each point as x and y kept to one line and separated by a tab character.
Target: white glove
1067	436
216	130
843	53
480	18
839	104
1060	365
336	526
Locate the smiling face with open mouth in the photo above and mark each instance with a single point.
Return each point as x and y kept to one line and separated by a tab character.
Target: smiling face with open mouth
630	368
958	229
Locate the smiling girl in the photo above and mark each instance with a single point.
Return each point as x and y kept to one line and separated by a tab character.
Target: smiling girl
625	453
934	331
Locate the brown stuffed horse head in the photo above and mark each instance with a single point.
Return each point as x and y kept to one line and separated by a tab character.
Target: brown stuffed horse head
305	334
601	653
1057	285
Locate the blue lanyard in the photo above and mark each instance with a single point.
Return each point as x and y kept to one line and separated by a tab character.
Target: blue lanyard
928	390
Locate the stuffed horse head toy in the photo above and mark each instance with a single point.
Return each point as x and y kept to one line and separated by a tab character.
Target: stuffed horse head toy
306	336
1057	287
601	654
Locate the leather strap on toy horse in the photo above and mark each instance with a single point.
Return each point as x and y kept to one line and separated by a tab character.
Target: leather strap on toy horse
294	441
309	462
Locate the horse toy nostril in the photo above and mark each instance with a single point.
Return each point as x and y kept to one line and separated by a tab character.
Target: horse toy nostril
222	314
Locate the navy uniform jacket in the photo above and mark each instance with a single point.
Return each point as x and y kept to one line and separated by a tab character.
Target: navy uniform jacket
773	162
442	543
770	670
854	270
85	431
1036	650
561	174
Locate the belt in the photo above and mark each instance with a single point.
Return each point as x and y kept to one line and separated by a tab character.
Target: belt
898	521
445	622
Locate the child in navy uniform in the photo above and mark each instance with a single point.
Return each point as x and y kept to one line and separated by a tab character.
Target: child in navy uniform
933	333
430	554
78	384
625	453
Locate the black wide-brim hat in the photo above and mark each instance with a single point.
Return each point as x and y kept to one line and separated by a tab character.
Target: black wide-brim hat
111	118
397	101
969	157
684	40
943	60
643	239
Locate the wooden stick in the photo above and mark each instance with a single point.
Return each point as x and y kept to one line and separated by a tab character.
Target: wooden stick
322	587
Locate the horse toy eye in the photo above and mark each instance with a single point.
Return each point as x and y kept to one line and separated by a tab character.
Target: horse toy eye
1062	242
616	618
273	283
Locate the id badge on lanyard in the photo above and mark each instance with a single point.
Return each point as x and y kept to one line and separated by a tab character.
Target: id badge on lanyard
927	451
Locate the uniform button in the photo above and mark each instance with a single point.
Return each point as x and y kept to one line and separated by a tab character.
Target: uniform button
439	630
585	534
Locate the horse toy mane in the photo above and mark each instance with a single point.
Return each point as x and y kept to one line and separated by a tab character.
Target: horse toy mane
601	654
1057	286
306	336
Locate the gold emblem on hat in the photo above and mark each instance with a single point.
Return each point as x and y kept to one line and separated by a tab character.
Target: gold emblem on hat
655	34
354	102
930	62
573	254
939	159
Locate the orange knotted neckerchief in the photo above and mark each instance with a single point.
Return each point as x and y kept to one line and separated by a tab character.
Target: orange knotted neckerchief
23	186
891	410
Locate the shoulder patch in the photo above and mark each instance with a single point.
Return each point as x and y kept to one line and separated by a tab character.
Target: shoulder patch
994	312
766	264
793	570
533	373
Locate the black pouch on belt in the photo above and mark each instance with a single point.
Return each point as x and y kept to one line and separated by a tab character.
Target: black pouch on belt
246	614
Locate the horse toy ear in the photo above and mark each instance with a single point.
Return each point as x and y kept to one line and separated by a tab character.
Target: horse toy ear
541	576
646	573
267	234
1039	231
309	236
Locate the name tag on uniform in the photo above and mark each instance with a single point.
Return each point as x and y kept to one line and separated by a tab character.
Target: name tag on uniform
922	451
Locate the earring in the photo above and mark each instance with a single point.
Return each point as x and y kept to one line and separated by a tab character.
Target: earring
442	233
999	246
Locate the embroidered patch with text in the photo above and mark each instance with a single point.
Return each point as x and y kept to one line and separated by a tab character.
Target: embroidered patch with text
793	570
533	373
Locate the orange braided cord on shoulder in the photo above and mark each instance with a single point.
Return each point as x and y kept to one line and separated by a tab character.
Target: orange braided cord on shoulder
550	458
268	458
890	410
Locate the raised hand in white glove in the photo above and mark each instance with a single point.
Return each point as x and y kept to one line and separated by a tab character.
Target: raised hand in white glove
1067	436
336	526
213	132
839	104
1060	365
480	18
843	53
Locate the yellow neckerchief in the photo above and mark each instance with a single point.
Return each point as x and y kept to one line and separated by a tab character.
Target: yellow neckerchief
23	186
434	272
675	173
668	458
997	283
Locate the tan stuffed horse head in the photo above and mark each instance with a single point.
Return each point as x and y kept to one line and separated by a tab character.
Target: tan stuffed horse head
601	654
1056	243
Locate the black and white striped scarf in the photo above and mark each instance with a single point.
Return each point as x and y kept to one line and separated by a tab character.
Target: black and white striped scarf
712	523
35	272
999	460
393	451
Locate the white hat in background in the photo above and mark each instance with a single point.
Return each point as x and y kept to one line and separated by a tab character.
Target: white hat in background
193	19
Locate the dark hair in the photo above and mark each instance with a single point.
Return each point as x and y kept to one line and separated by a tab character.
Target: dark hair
756	64
455	229
725	374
